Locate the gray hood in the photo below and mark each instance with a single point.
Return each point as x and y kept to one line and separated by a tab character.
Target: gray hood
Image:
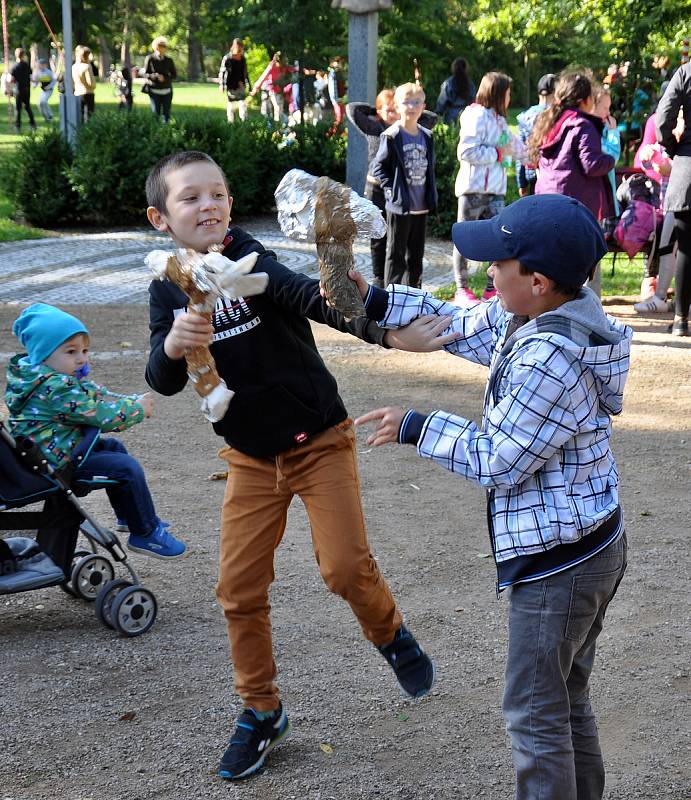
596	339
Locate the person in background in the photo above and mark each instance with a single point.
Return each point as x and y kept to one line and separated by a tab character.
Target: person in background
652	158
456	92
121	80
234	80
336	86
272	81
485	146
84	81
371	122
45	78
566	144
404	167
525	173
676	100
21	81
159	69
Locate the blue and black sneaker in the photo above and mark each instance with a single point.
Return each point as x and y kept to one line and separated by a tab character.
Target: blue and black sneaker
413	667
252	742
160	543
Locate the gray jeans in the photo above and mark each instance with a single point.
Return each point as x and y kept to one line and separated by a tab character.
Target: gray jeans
472	207
553	626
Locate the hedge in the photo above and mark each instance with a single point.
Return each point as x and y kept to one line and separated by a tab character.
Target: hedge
101	180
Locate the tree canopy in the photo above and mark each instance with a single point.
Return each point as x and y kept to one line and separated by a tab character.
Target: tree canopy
520	37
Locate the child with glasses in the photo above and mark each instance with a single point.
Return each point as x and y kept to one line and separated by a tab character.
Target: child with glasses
404	167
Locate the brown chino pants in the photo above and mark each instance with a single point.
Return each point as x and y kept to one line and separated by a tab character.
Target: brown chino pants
323	473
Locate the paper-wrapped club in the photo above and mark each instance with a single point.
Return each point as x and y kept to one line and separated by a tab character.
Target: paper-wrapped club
204	278
326	212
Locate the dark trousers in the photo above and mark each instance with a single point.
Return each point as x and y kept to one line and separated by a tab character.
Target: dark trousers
405	248
682	226
130	497
23	99
377	247
88	106
161	103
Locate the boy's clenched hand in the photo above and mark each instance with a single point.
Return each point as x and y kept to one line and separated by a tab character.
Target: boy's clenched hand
188	330
388	424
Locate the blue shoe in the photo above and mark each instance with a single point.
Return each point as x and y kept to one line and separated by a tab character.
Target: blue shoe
122	527
412	666
252	742
159	544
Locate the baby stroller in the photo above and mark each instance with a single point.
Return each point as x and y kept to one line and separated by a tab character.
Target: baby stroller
51	559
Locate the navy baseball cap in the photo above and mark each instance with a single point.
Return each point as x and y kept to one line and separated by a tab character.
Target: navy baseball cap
548	233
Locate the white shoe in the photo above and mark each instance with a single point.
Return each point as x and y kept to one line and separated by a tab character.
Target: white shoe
653	305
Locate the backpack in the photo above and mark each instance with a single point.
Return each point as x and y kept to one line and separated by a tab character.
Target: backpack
637	222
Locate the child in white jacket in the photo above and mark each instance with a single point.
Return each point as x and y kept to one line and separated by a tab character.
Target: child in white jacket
484	146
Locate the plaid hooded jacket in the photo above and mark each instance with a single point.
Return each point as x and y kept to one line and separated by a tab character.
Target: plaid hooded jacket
542	451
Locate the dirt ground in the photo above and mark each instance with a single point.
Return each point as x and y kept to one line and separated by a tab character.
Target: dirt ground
85	715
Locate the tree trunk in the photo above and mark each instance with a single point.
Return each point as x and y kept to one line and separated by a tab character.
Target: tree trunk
195	67
125	55
104	58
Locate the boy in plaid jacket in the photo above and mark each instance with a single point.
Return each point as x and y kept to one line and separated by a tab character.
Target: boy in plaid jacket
558	366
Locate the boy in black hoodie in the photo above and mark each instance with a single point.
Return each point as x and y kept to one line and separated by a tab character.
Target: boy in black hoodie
287	432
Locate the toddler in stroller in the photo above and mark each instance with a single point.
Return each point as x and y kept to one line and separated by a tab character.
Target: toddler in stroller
51	559
51	404
57	416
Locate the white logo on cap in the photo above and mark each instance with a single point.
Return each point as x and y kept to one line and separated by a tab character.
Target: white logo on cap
505	230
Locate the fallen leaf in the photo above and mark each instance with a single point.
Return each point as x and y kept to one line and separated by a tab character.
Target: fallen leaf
326	748
646	514
221	475
484	555
403	717
125	344
128	716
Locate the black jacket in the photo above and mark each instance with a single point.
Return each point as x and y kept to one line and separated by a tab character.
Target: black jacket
264	350
233	74
677	96
153	65
388	169
365	118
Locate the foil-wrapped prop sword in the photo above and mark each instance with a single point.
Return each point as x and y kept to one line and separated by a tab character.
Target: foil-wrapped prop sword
326	212
204	278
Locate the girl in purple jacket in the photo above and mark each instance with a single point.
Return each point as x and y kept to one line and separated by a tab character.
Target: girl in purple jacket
566	143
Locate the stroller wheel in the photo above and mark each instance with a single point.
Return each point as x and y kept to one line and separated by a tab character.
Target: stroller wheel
133	611
66	588
89	574
104	599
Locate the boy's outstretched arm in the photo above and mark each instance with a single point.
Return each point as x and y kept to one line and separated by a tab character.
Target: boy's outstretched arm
388	424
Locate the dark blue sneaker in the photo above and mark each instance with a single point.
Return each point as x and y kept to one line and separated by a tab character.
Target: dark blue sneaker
159	544
252	742
413	667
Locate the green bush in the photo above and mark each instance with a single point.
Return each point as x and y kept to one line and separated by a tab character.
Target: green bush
103	181
40	182
445	145
113	155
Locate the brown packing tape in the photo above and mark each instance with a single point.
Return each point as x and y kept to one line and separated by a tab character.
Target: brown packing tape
335	232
